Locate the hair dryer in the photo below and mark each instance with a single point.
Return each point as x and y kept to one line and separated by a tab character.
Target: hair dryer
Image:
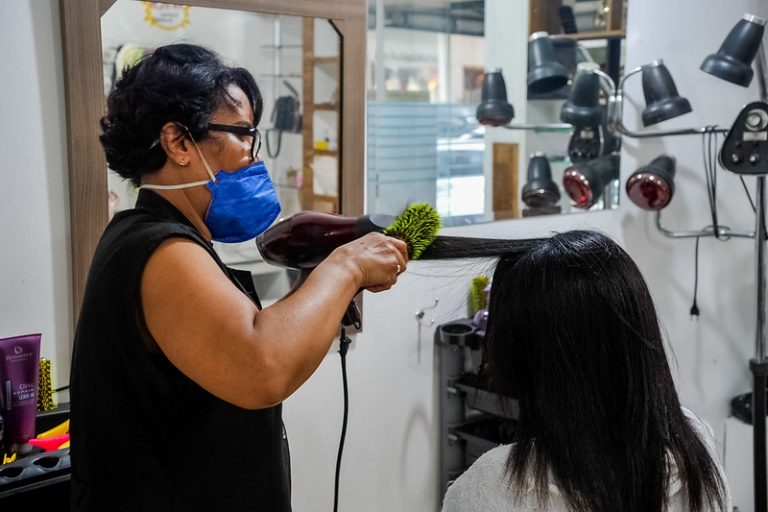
305	239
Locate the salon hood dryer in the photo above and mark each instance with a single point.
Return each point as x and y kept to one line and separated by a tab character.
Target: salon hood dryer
304	239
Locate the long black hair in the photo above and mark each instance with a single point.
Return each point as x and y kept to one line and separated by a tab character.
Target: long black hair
573	334
181	83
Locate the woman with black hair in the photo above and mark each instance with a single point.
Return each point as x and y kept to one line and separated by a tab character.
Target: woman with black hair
573	334
177	374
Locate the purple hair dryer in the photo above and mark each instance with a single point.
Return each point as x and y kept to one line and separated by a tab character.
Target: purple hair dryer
305	239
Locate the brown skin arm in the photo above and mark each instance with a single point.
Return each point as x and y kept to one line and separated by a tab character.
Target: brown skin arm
255	359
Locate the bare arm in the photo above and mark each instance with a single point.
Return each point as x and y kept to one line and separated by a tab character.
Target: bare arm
254	359
298	283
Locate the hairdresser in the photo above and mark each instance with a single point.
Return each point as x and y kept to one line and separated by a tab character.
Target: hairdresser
178	375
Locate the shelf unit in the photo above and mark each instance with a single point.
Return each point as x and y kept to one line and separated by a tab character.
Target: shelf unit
325	106
472	419
325	152
544	16
310	63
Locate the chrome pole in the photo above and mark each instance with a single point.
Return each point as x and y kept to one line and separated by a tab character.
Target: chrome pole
759	365
760	261
762	78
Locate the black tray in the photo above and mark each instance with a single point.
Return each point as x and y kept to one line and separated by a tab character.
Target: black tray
483	435
34	472
478	396
41	477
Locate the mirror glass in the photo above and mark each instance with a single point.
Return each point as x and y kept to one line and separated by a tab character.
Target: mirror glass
426	64
296	64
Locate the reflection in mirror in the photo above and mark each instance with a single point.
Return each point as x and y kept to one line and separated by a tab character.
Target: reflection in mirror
296	63
429	137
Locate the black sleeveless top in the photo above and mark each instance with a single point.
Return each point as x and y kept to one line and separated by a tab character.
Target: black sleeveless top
144	436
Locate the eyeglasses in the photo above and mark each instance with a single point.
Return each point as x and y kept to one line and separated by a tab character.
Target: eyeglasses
250	131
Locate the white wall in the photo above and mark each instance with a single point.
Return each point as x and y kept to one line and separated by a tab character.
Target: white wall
391	454
506	28
465	51
35	283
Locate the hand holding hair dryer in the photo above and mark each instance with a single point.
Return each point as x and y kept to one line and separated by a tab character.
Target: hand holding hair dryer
305	239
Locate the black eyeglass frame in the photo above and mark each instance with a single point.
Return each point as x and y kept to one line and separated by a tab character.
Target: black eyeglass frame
241	130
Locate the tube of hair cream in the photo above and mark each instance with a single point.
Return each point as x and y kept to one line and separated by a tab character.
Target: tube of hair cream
19	373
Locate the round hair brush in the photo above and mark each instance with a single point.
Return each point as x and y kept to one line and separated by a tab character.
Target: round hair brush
417	226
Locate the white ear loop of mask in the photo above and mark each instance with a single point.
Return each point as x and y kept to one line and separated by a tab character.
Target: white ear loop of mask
185	185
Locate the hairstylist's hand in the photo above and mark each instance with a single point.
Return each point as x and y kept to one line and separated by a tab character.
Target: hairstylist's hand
376	259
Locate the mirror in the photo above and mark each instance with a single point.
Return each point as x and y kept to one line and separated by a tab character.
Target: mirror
426	66
320	161
295	62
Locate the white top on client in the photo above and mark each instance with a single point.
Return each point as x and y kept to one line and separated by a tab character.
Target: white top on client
483	487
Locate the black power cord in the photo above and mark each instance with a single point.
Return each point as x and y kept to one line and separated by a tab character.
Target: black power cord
709	153
344	342
695	307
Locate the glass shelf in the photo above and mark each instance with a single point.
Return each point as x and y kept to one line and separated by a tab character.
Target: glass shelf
280	46
281	75
554	130
326	60
325	106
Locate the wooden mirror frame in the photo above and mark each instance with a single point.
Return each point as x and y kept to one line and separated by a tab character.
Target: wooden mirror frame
85	103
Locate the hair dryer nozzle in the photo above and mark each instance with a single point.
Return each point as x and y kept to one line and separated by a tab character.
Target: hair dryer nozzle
307	238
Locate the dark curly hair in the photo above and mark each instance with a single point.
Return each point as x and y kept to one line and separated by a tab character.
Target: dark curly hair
178	82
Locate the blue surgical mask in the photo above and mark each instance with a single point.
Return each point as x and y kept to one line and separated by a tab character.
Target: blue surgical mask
243	203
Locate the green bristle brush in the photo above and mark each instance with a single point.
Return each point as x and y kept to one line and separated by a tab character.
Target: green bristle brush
417	226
